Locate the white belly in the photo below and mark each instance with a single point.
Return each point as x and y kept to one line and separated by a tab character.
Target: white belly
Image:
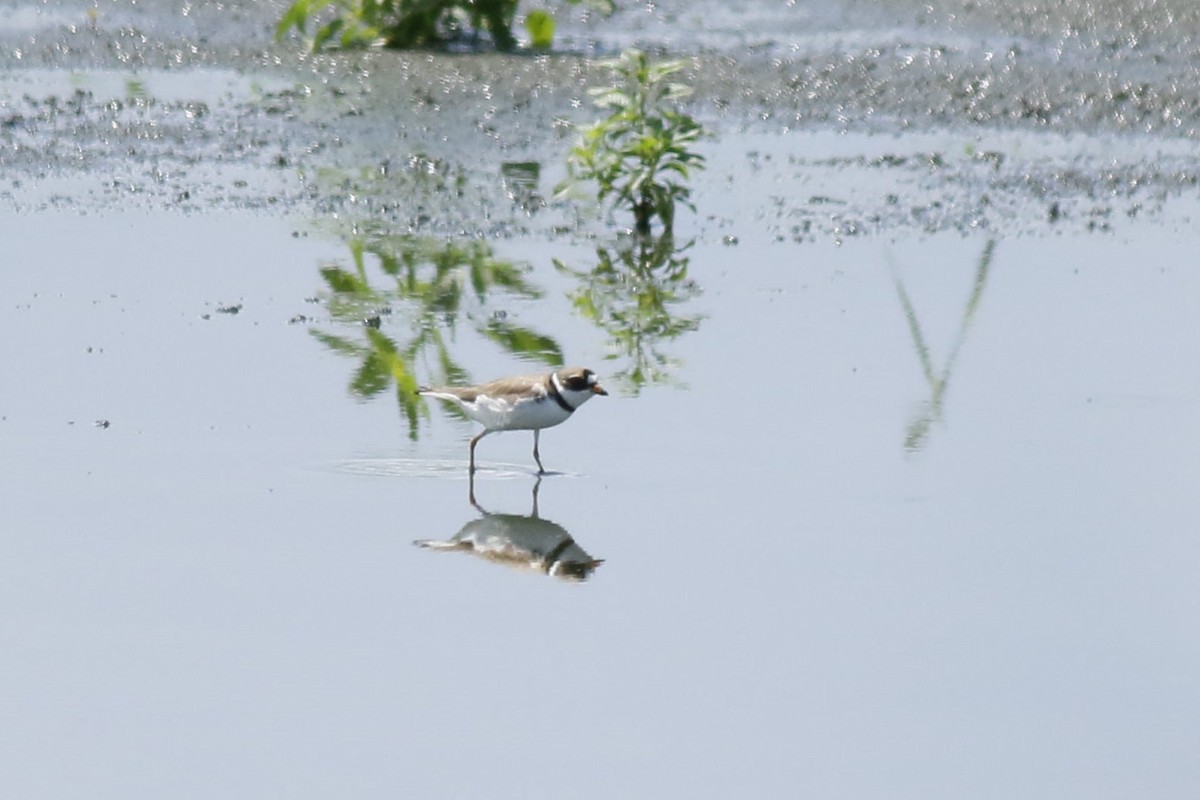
497	414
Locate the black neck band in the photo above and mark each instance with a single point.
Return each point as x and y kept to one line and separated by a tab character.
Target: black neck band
557	395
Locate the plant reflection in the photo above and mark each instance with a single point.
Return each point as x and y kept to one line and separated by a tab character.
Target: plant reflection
424	288
931	410
520	180
633	294
521	542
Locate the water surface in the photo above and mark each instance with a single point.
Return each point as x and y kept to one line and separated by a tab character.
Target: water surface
893	495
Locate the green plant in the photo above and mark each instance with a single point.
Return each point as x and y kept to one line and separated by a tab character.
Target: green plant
641	154
416	23
399	23
637	293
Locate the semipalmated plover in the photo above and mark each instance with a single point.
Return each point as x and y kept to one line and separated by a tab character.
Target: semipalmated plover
522	403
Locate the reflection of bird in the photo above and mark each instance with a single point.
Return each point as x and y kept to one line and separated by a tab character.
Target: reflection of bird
522	403
522	542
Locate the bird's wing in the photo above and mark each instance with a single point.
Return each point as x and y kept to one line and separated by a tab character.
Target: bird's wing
517	385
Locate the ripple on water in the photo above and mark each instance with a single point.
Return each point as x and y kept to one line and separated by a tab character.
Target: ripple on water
451	469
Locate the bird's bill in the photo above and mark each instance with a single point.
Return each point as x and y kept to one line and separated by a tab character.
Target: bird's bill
598	389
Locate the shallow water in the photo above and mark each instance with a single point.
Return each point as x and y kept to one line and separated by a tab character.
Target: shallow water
894	494
795	593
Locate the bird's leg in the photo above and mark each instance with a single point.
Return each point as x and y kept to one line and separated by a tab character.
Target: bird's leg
536	457
474	442
537	485
471	493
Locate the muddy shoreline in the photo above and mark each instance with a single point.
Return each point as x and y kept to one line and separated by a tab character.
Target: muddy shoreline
194	107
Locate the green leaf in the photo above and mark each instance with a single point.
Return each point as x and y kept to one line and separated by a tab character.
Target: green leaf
508	276
337	344
296	17
381	343
540	26
344	282
610	97
522	341
479	281
372	377
326	32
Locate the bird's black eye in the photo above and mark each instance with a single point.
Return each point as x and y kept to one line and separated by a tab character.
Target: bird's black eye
577	383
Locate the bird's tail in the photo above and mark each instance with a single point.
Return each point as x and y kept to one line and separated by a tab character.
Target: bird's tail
435	544
440	394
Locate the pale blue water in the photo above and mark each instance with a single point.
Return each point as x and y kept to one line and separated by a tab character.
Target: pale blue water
911	511
793	598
